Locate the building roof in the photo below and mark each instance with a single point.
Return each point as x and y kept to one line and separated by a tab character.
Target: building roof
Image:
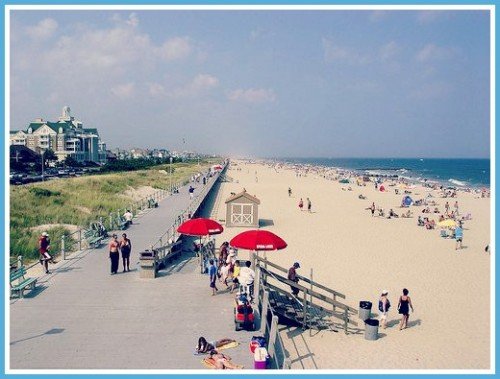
245	195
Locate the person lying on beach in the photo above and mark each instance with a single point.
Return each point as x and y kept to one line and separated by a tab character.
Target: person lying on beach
436	210
362	198
223	362
205	347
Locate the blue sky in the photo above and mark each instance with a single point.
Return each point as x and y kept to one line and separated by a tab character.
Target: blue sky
261	83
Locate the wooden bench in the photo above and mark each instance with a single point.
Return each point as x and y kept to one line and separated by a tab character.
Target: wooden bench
22	282
122	223
93	238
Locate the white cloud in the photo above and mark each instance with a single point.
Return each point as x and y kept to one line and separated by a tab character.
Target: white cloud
199	84
123	91
253	95
388	51
133	20
175	48
43	30
431	52
335	53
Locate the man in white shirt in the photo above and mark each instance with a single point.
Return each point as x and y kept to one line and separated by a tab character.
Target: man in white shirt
128	217
247	277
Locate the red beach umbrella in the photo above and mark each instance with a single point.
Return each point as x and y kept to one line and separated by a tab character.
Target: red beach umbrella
258	240
200	227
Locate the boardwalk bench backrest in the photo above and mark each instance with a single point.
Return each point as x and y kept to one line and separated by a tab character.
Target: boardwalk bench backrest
18	274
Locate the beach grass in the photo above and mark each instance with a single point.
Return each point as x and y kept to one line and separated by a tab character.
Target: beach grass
80	201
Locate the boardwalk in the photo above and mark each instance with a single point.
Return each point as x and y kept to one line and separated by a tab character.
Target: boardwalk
84	318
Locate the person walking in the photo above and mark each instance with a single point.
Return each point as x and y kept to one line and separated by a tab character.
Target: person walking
292	275
191	191
383	306
447	208
372	209
301	204
114	255
43	249
125	248
289	192
212	272
456	208
459	236
309	205
404	306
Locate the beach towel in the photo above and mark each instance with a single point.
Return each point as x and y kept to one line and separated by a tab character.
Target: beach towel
228	345
210	363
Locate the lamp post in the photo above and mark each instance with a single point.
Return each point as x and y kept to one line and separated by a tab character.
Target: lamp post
43	164
170	169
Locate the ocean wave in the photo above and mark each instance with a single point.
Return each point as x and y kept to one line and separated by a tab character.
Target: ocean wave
457	182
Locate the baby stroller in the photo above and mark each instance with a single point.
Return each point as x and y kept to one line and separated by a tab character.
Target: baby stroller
243	313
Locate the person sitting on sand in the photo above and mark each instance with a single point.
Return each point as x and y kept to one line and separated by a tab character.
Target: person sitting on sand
393	214
381	212
436	210
205	347
361	197
420	221
408	214
223	362
441	218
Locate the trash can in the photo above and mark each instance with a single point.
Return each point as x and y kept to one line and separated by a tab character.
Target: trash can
365	308
260	358
147	261
371	329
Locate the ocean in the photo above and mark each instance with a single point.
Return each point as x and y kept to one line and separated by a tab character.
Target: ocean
450	172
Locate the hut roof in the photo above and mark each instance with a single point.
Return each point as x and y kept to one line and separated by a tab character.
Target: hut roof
243	194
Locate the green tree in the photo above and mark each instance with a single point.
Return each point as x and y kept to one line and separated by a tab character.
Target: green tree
70	161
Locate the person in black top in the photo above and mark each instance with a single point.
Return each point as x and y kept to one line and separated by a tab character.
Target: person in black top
292	275
404	306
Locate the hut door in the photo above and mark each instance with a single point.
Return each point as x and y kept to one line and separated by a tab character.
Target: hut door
242	214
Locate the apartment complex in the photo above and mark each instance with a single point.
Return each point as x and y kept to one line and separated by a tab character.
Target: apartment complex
66	137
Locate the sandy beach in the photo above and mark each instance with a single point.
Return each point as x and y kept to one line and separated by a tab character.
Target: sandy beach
360	255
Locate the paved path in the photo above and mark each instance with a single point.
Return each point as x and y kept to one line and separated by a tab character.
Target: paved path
82	317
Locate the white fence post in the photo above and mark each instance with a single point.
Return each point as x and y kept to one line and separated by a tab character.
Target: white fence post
63	250
272	336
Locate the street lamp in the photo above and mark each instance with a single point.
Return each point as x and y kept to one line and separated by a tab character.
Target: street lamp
43	164
170	169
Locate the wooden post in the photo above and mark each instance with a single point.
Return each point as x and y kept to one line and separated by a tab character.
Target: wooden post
256	287
334	299
346	319
272	336
79	239
111	221
19	261
263	315
63	250
311	298
304	306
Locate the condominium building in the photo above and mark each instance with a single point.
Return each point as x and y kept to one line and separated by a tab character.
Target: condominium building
66	137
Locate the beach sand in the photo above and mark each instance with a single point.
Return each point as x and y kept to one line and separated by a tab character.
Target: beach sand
359	256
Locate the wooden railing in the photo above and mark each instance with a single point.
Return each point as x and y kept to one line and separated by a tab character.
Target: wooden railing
326	302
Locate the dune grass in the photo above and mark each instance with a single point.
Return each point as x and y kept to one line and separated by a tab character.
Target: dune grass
80	201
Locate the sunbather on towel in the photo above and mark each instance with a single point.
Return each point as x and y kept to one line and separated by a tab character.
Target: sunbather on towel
223	362
206	347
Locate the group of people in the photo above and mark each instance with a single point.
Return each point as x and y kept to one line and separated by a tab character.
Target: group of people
219	360
115	247
404	306
227	269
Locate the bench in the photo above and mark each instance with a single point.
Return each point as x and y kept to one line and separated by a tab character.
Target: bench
122	223
22	282
92	238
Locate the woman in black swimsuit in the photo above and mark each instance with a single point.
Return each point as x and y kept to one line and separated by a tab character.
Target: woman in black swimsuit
404	306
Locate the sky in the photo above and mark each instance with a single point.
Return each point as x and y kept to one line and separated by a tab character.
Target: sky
360	83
